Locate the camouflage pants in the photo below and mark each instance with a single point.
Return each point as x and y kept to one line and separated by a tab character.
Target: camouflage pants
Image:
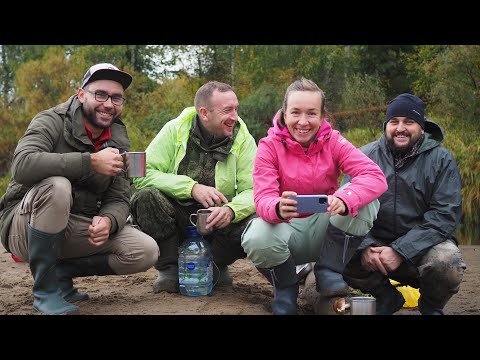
437	275
165	220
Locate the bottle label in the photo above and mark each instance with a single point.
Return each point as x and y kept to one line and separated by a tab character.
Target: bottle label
191	266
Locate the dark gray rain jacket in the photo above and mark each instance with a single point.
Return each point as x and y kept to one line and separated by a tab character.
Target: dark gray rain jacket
423	203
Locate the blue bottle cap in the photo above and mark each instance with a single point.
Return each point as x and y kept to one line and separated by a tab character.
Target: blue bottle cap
191	231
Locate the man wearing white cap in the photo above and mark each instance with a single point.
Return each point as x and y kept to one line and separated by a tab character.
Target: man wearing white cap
66	206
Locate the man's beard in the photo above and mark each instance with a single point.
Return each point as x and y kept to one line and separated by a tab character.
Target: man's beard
91	117
400	151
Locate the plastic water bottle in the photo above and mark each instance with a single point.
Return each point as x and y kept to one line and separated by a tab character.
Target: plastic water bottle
195	272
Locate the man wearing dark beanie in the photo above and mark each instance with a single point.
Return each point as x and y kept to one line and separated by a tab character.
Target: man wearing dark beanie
412	240
406	105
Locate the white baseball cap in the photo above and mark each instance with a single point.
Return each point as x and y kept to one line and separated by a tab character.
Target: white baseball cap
106	71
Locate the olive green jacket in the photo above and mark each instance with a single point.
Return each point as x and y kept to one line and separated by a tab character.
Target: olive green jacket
56	144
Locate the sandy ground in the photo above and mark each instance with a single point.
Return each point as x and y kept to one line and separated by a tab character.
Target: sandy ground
251	293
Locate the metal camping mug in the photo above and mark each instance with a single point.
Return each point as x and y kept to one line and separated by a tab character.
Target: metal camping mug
134	163
201	222
363	305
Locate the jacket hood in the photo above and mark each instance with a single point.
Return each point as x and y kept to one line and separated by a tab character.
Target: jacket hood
282	131
432	128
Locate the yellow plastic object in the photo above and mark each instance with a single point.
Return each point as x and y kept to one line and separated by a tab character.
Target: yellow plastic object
410	294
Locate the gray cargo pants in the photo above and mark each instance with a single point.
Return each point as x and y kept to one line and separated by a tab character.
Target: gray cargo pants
437	274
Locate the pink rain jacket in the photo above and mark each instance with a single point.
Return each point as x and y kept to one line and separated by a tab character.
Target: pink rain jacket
281	164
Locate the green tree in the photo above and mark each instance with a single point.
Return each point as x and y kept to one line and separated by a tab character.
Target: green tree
456	90
387	61
363	103
421	66
139	58
11	58
150	111
328	66
258	109
44	83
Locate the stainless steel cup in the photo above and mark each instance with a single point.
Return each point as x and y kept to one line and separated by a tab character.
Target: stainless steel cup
134	163
363	305
201	221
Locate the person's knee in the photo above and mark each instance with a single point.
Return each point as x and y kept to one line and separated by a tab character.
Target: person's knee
52	200
361	224
58	189
150	202
262	252
146	257
262	248
151	210
145	197
151	253
445	264
252	241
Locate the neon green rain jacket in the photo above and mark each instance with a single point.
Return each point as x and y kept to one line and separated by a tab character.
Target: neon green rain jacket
233	177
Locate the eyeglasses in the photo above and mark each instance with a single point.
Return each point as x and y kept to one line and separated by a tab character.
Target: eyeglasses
101	96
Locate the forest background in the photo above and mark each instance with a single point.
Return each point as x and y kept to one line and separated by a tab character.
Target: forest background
358	81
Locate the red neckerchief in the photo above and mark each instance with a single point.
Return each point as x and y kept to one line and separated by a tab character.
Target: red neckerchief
106	134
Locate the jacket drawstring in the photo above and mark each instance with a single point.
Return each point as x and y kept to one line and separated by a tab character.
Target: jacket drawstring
274	278
235	172
345	246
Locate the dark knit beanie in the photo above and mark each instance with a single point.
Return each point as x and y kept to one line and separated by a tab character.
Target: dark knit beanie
406	105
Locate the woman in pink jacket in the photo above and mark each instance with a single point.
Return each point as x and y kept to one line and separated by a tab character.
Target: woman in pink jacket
302	154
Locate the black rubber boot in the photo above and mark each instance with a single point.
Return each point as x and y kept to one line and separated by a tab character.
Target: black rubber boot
80	267
389	300
42	252
336	252
284	279
426	308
